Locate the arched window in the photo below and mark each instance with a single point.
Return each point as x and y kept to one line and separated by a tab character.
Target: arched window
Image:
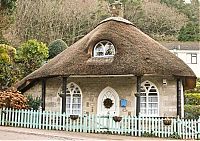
149	101
104	49
73	99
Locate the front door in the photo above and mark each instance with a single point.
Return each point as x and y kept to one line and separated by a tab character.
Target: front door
106	96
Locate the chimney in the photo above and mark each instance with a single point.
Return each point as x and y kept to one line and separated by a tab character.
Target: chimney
116	9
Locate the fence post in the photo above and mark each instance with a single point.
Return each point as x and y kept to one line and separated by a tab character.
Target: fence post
179	127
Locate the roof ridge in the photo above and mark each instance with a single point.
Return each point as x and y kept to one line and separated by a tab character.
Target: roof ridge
118	19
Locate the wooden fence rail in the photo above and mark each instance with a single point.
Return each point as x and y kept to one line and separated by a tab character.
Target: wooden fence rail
128	125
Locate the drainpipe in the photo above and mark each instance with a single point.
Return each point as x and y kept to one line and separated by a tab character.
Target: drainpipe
64	89
179	93
43	94
138	95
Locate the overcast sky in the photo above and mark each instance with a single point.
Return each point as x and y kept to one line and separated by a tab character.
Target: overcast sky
187	1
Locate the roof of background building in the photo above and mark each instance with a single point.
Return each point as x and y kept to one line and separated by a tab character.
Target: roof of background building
182	45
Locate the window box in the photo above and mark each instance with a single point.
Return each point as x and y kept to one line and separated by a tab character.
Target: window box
167	121
117	119
74	117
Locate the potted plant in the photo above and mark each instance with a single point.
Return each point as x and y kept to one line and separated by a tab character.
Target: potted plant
107	103
167	121
117	119
74	117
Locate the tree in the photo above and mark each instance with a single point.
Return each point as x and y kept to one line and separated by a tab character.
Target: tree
56	47
48	20
190	32
8	70
155	19
6	10
30	56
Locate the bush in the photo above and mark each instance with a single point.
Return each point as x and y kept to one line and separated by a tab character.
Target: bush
175	135
192	111
8	71
192	99
56	47
33	103
12	99
30	56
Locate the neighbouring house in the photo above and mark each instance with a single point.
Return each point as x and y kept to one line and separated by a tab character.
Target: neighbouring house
115	69
189	52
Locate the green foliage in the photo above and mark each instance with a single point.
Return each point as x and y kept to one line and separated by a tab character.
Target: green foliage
192	111
56	47
175	135
33	103
7	53
147	134
30	56
190	32
8	5
192	102
8	71
192	98
191	10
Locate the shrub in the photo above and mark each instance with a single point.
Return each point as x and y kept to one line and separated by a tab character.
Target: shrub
8	71
175	135
56	47
12	99
192	111
148	134
33	103
192	99
30	56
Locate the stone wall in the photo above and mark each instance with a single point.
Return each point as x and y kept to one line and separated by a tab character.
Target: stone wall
124	86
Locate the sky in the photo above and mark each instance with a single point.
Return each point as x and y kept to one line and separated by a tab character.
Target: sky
187	1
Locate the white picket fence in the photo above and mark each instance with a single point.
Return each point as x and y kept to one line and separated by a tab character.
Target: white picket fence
129	125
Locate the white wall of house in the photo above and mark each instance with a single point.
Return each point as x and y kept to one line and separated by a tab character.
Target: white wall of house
191	58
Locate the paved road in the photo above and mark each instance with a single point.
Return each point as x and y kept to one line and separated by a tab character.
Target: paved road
13	133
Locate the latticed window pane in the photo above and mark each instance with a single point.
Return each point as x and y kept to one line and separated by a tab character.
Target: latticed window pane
153	99
143	99
73	99
143	111
103	49
109	49
149	99
143	105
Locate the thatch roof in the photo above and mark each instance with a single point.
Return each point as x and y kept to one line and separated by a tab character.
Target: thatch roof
182	45
136	53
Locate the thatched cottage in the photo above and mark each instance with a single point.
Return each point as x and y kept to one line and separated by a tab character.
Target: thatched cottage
115	69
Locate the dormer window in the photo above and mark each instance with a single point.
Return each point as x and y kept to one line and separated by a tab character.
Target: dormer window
104	49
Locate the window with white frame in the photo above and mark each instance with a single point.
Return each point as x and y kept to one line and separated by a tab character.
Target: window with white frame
149	102
191	58
104	49
73	99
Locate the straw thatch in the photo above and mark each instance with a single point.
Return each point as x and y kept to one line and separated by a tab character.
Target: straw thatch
136	53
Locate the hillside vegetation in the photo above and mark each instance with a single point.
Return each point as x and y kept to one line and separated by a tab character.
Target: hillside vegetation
34	28
70	20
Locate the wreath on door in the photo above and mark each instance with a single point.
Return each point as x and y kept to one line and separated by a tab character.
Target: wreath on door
108	103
